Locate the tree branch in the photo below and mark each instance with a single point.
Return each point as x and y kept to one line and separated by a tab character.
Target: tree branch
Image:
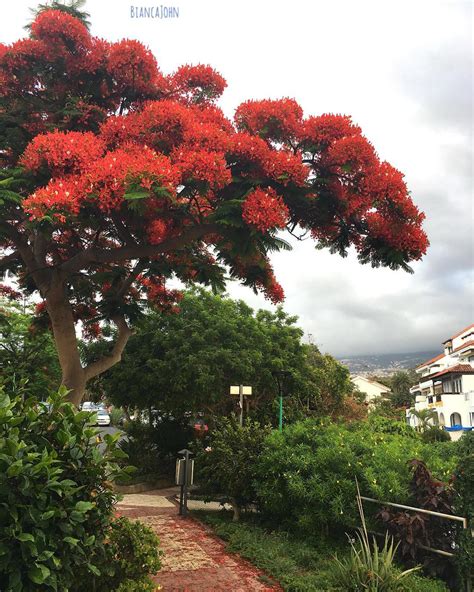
96	255
136	271
99	366
7	259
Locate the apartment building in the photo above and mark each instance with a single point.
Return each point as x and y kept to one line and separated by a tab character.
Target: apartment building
446	385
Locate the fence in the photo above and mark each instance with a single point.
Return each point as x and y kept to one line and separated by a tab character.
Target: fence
431	513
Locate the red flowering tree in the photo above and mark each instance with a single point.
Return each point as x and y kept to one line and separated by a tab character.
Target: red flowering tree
115	177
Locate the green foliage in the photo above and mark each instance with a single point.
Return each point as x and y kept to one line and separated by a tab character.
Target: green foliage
28	358
117	415
370	568
228	464
56	499
463	484
306	474
152	447
435	434
400	384
131	553
299	565
424	417
72	7
186	362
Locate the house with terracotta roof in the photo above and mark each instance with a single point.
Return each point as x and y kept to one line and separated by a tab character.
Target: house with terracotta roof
446	385
371	388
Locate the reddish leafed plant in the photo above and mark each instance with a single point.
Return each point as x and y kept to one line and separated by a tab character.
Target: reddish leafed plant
115	176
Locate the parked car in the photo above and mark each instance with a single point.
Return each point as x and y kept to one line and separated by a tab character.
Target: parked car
103	418
88	406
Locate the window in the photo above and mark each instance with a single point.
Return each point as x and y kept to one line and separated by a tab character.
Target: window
447	386
430	399
441	419
438	398
455	419
457	385
472	418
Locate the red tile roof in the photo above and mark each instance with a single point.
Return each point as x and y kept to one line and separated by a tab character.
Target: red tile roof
467	344
458	369
460	333
430	361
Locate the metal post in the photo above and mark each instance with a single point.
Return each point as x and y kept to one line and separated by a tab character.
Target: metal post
241	394
185	486
280	420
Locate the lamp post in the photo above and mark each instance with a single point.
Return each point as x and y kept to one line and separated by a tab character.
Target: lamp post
242	391
279	376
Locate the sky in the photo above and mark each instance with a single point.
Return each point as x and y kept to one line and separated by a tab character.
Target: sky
403	71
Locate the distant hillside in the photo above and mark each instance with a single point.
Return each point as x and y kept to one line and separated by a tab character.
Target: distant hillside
385	363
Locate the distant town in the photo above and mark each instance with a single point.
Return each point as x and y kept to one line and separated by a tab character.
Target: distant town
385	364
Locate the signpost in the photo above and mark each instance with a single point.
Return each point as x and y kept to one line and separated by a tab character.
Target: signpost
184	478
242	391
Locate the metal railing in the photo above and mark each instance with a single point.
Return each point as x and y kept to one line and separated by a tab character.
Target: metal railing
461	519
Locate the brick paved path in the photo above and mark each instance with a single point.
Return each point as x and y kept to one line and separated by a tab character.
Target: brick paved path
194	560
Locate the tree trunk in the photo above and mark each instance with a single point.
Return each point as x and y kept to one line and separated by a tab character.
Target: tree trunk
236	509
64	332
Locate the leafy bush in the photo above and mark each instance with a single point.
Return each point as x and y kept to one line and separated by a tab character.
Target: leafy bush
152	448
435	434
132	553
56	498
306	473
463	480
116	416
228	464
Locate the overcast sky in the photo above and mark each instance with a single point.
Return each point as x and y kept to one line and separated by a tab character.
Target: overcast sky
403	70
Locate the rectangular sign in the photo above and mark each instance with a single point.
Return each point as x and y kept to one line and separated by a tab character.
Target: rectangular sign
246	390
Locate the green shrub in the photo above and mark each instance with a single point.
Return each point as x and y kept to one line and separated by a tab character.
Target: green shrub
228	464
435	434
56	498
116	416
463	484
131	553
152	448
305	475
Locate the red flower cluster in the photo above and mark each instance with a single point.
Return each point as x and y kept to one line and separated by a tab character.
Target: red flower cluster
197	84
398	233
62	153
265	210
157	231
110	177
209	168
271	288
162	124
352	154
325	129
63	35
59	198
133	67
9	293
286	167
105	182
278	120
159	295
207	136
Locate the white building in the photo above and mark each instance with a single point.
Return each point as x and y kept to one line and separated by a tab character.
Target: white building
447	385
371	388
